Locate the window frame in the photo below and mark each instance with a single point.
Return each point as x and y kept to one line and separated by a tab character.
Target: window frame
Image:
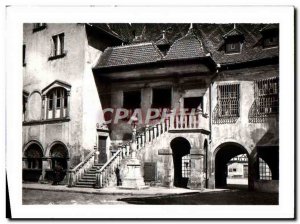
58	46
267	101
235	50
52	101
228	98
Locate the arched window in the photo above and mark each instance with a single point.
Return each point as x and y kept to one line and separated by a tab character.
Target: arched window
59	156
33	157
57	103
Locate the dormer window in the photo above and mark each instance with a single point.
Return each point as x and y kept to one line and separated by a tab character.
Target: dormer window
270	36
234	47
163	44
271	41
233	41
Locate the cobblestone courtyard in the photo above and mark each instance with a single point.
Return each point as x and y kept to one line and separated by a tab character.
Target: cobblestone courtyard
232	197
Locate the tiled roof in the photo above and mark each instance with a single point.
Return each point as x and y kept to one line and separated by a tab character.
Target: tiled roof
189	46
205	38
162	41
129	55
213	37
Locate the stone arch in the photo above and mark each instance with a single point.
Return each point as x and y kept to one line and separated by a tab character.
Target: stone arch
222	155
56	142
34	105
181	160
30	143
32	161
230	141
58	156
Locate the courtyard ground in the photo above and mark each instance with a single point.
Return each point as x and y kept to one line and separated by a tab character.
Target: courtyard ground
153	196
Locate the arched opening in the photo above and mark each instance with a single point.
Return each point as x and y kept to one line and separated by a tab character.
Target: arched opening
233	157
182	161
32	169
59	161
268	162
237	171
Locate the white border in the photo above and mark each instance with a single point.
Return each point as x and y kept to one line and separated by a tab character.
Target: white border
16	15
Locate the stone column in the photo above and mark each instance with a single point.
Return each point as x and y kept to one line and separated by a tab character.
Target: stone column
197	178
253	169
146	100
168	177
45	166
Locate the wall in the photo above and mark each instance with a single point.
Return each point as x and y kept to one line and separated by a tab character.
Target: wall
248	135
92	109
40	72
160	152
122	130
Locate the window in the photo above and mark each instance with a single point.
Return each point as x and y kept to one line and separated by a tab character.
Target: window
57	103
264	170
193	103
186	166
38	26
131	101
58	46
24	55
233	47
33	157
161	98
266	100
270	41
267	92
229	100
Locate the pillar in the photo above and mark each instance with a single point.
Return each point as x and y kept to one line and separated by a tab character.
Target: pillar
197	178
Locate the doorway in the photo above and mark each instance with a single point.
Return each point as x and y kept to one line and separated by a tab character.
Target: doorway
182	161
102	157
231	161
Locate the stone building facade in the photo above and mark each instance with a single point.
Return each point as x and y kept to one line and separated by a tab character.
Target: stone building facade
224	76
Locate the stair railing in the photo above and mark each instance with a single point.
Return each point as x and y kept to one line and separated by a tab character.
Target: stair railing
180	121
142	138
77	172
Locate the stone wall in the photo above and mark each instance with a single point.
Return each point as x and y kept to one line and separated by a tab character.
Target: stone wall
242	132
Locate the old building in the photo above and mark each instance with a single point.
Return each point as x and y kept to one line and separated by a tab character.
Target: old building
201	95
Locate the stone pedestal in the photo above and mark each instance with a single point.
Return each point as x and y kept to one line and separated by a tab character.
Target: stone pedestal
133	177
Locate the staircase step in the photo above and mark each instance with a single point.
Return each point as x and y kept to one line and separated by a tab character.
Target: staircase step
84	186
84	182
88	178
90	174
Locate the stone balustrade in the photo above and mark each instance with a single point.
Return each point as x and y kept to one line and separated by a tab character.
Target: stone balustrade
177	122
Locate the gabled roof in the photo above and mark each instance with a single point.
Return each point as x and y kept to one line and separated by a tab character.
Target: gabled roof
163	40
56	83
233	33
129	55
189	46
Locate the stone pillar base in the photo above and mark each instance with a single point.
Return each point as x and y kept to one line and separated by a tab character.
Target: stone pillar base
133	177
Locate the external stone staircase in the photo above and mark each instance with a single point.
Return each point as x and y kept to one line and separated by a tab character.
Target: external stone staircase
88	174
88	180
